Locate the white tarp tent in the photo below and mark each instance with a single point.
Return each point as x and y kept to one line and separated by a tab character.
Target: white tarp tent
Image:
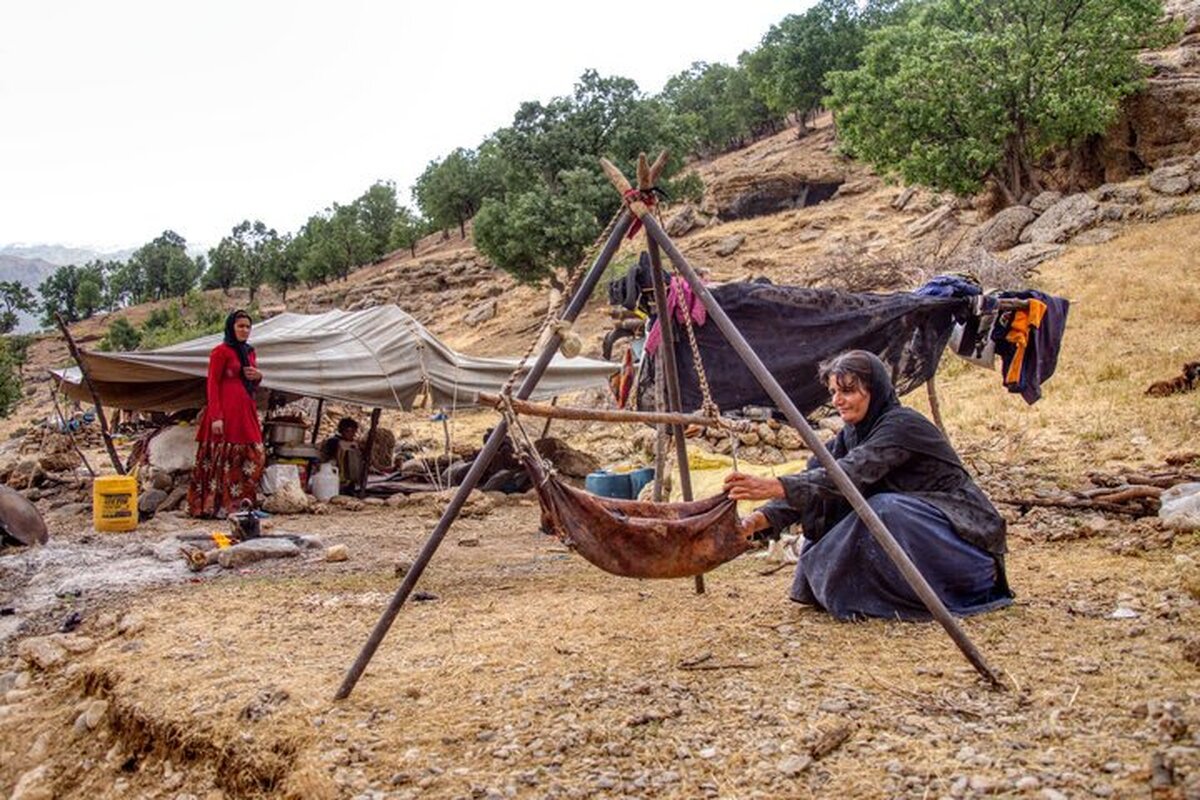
379	358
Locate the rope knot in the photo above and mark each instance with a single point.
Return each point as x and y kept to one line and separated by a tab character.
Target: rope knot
648	197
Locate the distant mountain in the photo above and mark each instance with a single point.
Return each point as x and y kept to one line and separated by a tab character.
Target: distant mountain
31	272
61	255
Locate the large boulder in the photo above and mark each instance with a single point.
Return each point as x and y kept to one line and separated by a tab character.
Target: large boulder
1173	180
1004	230
173	449
20	519
1062	220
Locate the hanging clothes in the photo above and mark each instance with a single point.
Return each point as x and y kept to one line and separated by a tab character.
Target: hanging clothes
682	302
1028	342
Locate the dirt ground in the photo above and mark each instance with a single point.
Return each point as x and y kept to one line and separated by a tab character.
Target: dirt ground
524	672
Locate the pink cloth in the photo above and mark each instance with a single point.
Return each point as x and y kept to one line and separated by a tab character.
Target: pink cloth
681	300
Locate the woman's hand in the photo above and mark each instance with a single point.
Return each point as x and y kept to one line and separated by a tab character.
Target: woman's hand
740	486
752	524
218	428
252	373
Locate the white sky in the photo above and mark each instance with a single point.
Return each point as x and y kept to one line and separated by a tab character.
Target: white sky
120	119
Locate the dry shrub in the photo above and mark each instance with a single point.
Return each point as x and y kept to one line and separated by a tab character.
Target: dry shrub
850	267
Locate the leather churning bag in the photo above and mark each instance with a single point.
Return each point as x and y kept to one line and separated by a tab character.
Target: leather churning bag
640	540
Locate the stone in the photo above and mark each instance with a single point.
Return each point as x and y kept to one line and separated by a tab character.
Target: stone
256	550
794	765
481	313
1027	257
1044	201
26	475
1172	181
95	713
566	459
338	552
729	245
173	449
1095	236
347	502
1062	220
683	221
149	501
290	499
60	461
34	785
41	652
931	221
1121	193
1003	231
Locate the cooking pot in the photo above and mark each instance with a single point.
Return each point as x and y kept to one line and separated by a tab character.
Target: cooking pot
280	432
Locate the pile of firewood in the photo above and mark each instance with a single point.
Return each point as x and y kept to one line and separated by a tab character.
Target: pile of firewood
1130	493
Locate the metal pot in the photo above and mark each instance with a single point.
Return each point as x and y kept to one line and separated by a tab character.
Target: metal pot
280	432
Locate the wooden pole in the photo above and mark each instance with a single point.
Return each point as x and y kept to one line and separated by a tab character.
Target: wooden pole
108	442
370	447
67	430
597	414
844	485
660	439
317	420
935	407
549	419
666	327
481	462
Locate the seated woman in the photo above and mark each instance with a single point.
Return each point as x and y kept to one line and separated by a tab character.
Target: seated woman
343	450
914	481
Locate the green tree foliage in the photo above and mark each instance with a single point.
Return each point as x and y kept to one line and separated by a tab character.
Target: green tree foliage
968	92
283	271
10	379
549	199
790	66
377	210
224	266
59	293
89	295
15	297
18	348
718	106
407	230
161	268
121	336
449	192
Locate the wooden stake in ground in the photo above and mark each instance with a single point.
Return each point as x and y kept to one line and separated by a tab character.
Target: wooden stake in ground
108	442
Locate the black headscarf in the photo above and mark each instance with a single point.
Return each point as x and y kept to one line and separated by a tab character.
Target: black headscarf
888	423
243	349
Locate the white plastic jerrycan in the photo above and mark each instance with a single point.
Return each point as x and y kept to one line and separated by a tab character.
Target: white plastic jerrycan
324	483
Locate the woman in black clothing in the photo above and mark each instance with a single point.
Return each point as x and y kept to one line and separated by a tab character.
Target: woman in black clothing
914	481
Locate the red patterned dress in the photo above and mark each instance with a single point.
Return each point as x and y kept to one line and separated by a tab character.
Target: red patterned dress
228	465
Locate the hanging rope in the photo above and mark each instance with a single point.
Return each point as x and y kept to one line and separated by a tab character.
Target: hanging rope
708	406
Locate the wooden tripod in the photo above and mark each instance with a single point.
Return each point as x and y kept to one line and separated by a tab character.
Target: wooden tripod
657	239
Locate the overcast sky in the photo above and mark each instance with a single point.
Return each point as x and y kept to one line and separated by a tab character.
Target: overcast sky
121	119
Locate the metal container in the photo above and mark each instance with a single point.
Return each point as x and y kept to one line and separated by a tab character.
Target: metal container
281	432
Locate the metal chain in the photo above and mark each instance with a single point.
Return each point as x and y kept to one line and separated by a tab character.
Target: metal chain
707	406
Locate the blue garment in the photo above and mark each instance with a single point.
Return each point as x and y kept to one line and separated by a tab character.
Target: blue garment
949	286
848	574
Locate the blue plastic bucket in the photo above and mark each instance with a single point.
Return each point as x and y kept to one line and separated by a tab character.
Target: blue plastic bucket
639	478
609	484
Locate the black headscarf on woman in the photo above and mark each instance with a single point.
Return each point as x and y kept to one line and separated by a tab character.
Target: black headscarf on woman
888	423
243	349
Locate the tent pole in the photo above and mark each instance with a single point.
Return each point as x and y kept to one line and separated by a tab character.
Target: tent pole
370	448
844	485
108	442
317	420
670	372
482	461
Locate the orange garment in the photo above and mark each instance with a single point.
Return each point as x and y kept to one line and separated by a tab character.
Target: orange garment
1018	335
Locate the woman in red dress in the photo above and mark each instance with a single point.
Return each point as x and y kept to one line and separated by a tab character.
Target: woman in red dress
231	457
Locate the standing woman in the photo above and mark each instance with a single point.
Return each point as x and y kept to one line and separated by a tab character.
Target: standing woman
231	457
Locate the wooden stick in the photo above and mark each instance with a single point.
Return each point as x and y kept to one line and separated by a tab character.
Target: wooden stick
546	427
67	430
366	458
1130	493
1069	502
317	419
597	414
108	442
935	407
